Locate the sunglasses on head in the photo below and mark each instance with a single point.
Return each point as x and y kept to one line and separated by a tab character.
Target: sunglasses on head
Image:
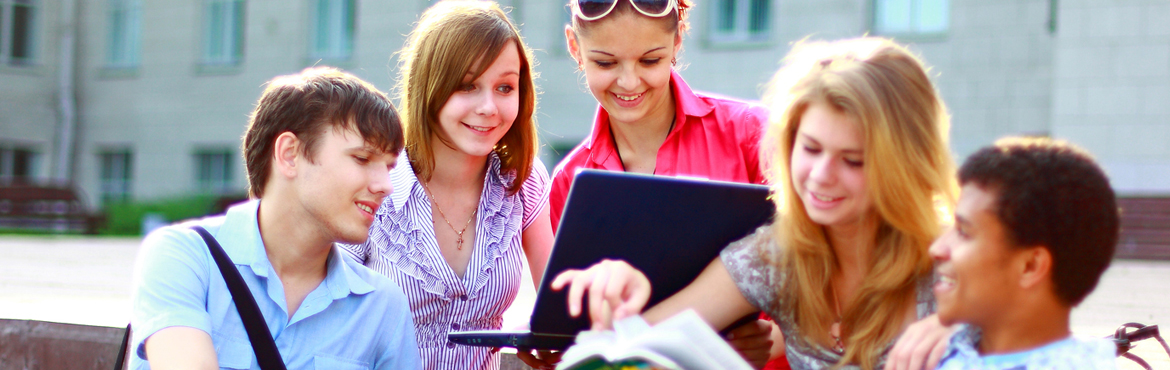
591	10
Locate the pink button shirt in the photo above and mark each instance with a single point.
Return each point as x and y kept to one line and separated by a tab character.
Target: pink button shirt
716	138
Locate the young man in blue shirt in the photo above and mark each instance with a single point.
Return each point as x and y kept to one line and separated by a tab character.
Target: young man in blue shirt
317	149
1035	227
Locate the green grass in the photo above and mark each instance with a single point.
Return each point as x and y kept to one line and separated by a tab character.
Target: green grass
31	232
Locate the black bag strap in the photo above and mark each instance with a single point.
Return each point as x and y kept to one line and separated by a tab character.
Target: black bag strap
267	355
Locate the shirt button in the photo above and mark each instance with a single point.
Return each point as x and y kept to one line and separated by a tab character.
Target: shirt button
455	326
450	345
463	297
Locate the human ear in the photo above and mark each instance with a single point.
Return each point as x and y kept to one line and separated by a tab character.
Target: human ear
285	152
1036	264
574	48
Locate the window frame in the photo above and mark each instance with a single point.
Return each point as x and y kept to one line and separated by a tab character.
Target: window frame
230	33
19	164
206	161
341	19
111	189
914	22
741	22
7	39
124	40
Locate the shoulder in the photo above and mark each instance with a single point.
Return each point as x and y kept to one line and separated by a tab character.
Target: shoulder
178	241
960	352
739	121
538	176
734	111
1099	352
754	256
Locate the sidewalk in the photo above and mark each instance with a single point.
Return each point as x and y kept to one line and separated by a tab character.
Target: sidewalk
85	280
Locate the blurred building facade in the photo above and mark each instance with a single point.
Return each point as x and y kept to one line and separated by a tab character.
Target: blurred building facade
135	99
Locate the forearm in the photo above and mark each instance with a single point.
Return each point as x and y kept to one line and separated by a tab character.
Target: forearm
181	348
713	295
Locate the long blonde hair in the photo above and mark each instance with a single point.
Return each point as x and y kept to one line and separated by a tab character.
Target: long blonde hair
909	171
449	39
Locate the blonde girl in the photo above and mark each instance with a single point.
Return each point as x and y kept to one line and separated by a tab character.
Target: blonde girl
862	177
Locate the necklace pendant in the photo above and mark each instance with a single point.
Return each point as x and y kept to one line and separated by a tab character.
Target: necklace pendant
835	331
459	243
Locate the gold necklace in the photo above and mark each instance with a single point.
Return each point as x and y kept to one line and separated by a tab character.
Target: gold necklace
835	329
459	241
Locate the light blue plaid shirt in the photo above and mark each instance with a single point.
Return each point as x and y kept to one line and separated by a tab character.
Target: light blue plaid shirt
1068	353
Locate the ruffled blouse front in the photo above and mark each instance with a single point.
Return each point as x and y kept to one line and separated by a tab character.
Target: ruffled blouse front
402	246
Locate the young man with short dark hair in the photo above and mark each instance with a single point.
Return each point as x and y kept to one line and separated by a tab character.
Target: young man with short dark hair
1035	227
318	149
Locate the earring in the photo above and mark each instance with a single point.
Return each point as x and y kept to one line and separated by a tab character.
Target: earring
673	61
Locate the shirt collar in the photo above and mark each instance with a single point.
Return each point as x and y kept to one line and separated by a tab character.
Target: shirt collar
403	185
240	238
687	104
407	183
341	279
691	104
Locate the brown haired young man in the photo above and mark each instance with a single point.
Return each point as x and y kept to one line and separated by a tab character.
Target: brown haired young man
317	151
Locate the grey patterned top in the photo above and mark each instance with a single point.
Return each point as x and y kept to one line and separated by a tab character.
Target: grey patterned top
759	282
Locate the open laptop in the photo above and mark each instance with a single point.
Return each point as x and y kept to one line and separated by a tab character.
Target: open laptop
669	228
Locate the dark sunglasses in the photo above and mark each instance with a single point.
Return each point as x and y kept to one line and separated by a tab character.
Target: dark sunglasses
591	10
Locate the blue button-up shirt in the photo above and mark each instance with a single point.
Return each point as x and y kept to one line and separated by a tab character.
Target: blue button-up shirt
356	318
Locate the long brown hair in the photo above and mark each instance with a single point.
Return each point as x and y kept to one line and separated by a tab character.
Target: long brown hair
445	46
910	174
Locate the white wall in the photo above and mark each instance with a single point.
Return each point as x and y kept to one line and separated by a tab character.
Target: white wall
1112	88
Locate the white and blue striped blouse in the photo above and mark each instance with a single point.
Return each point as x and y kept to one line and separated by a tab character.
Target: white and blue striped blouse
402	246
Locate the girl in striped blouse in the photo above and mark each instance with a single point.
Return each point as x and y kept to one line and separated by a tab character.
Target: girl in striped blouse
470	199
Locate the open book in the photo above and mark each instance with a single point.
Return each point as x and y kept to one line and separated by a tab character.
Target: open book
682	342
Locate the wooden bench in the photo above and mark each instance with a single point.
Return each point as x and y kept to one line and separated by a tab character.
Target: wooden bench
46	208
1145	228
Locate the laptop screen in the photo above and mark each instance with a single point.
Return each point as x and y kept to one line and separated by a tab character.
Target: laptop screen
669	228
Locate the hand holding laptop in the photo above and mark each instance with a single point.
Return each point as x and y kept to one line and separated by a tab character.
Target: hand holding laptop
616	291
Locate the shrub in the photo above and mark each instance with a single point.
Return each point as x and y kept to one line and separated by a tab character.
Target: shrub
125	218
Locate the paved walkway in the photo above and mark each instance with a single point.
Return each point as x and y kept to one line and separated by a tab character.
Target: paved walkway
87	281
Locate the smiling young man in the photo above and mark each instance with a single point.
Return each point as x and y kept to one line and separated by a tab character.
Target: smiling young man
1035	227
317	152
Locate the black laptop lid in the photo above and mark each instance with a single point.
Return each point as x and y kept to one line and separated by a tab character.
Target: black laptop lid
669	228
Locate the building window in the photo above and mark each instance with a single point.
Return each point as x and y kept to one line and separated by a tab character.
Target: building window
213	171
740	20
17	165
333	29
125	33
116	175
902	17
17	24
223	42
